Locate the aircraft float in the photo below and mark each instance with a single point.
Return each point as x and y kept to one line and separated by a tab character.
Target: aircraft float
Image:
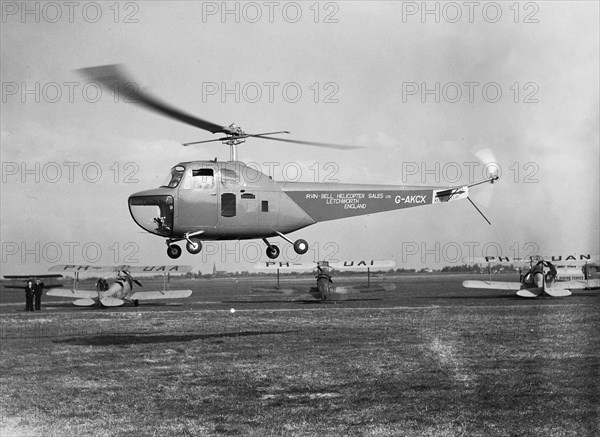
544	278
217	200
121	291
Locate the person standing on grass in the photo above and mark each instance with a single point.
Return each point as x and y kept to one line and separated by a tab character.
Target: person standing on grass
29	292
38	289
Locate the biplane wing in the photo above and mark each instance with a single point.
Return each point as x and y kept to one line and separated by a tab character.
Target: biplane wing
362	265
338	265
56	275
518	287
82	268
364	288
554	292
285	265
90	268
493	285
69	292
580	284
20	287
25	278
167	294
275	290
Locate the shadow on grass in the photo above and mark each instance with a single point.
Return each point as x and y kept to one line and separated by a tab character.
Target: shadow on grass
124	339
335	301
311	301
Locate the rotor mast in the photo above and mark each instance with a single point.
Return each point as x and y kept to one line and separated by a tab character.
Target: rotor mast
235	136
233	143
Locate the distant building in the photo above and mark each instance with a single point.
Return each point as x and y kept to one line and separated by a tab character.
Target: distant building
218	273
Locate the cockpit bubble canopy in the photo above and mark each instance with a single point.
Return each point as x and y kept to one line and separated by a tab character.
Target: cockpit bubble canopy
173	179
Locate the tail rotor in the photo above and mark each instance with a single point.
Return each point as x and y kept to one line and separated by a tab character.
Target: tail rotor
492	174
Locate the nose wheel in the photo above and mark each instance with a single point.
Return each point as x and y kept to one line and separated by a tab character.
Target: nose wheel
272	251
174	251
194	246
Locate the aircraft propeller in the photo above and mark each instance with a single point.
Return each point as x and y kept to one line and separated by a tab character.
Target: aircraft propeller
127	276
118	81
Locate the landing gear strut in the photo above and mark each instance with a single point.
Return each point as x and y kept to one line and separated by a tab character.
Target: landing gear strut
300	246
193	245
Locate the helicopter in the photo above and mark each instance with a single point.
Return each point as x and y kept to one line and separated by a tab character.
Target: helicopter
229	200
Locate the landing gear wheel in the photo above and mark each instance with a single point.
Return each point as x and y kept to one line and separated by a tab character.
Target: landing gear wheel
300	247
272	251
174	251
136	302
194	247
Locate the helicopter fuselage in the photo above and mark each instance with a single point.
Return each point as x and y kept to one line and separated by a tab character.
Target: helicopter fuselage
230	200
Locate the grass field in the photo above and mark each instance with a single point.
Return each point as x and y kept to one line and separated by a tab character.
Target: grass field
428	359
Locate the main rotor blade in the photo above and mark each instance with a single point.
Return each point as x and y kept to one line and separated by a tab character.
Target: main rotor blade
206	141
236	137
114	78
309	143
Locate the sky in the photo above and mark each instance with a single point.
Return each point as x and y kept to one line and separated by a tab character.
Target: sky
421	86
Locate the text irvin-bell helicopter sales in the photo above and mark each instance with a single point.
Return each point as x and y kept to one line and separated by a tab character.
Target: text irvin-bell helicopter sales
216	200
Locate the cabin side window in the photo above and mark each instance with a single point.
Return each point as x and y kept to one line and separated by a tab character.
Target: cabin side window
228	177
203	178
199	179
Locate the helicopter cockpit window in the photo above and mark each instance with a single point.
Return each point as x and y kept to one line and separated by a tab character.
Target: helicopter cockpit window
203	178
175	177
229	177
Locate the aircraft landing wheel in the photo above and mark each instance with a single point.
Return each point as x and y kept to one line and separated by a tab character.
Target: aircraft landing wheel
136	303
300	247
272	251
174	251
194	247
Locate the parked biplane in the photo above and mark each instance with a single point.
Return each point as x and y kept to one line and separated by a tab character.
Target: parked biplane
326	288
544	278
121	291
215	200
